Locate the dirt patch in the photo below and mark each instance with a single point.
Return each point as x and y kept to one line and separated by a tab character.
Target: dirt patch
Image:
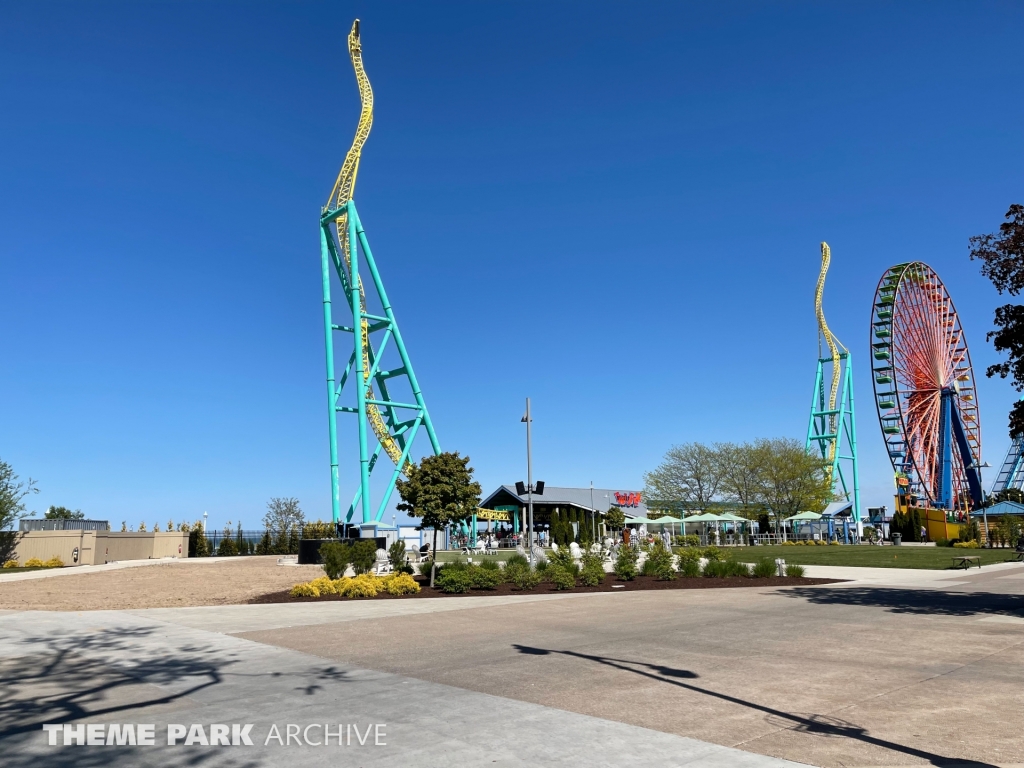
172	585
640	583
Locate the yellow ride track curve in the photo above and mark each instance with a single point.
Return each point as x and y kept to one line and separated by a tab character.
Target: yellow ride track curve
833	347
343	190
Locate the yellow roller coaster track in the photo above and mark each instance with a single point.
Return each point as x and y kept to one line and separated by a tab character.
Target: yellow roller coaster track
343	190
833	344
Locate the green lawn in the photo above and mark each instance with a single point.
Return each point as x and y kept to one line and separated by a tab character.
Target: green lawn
934	558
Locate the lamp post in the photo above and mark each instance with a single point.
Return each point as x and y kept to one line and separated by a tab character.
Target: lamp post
593	512
204	523
529	482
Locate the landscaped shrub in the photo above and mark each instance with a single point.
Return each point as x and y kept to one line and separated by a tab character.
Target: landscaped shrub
764	568
720	569
560	577
485	578
54	562
520	574
966	545
227	546
944	542
659	563
789	543
324	585
690	540
454	580
364	555
689	567
563	559
517	558
397	559
335	555
541	565
489	565
424	567
625	564
400	584
34	562
304	590
592	573
713	554
364	585
319	530
11	564
795	570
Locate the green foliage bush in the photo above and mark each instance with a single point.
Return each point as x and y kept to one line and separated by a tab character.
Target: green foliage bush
485	578
454	580
690	540
520	574
764	568
720	569
689	567
625	564
794	570
560	577
944	542
563	559
397	558
966	545
592	573
517	558
227	546
335	556
364	555
713	554
659	562
319	530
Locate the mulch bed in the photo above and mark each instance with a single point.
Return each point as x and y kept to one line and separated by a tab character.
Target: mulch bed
610	585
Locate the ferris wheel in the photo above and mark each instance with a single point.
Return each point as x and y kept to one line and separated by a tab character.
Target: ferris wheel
924	389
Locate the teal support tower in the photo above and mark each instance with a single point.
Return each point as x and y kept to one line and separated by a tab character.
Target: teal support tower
832	428
394	423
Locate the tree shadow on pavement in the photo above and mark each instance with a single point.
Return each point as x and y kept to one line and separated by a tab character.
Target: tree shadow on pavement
801	723
919	601
110	676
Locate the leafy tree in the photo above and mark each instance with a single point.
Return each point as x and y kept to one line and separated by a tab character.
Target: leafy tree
1002	257
364	555
63	513
282	514
440	490
615	519
293	540
266	544
198	544
790	479
689	477
12	507
741	471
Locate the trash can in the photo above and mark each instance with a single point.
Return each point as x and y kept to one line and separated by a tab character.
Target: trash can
897	539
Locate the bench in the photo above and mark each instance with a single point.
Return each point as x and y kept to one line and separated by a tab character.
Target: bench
966	561
1018	556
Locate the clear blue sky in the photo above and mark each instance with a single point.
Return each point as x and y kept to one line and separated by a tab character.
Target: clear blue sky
612	208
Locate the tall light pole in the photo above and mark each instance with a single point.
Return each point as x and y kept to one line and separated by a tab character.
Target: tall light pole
593	512
529	482
204	523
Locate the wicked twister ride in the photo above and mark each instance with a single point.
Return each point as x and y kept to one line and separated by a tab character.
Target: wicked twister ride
395	424
832	428
925	394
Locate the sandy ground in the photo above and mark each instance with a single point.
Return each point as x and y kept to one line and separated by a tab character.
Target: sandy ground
176	584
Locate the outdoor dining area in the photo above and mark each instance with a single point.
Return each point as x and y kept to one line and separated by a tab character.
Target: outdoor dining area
728	529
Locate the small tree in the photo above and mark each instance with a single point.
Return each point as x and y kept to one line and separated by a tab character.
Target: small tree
336	556
441	491
364	555
227	546
63	513
293	540
266	544
283	516
690	476
12	507
198	544
615	519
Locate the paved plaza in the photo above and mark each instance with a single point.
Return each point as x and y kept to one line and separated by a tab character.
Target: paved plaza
893	668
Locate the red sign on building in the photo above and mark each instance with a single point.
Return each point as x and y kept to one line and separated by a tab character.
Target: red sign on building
627	499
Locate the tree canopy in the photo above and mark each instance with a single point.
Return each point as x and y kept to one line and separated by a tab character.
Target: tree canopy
775	475
440	490
63	513
1002	257
13	491
283	514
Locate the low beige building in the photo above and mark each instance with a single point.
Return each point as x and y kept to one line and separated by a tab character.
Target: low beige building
98	547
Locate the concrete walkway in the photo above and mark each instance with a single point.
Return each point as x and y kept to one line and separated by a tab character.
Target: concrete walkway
119	667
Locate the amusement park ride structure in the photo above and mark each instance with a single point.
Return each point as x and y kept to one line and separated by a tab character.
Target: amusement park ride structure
924	392
832	428
395	424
